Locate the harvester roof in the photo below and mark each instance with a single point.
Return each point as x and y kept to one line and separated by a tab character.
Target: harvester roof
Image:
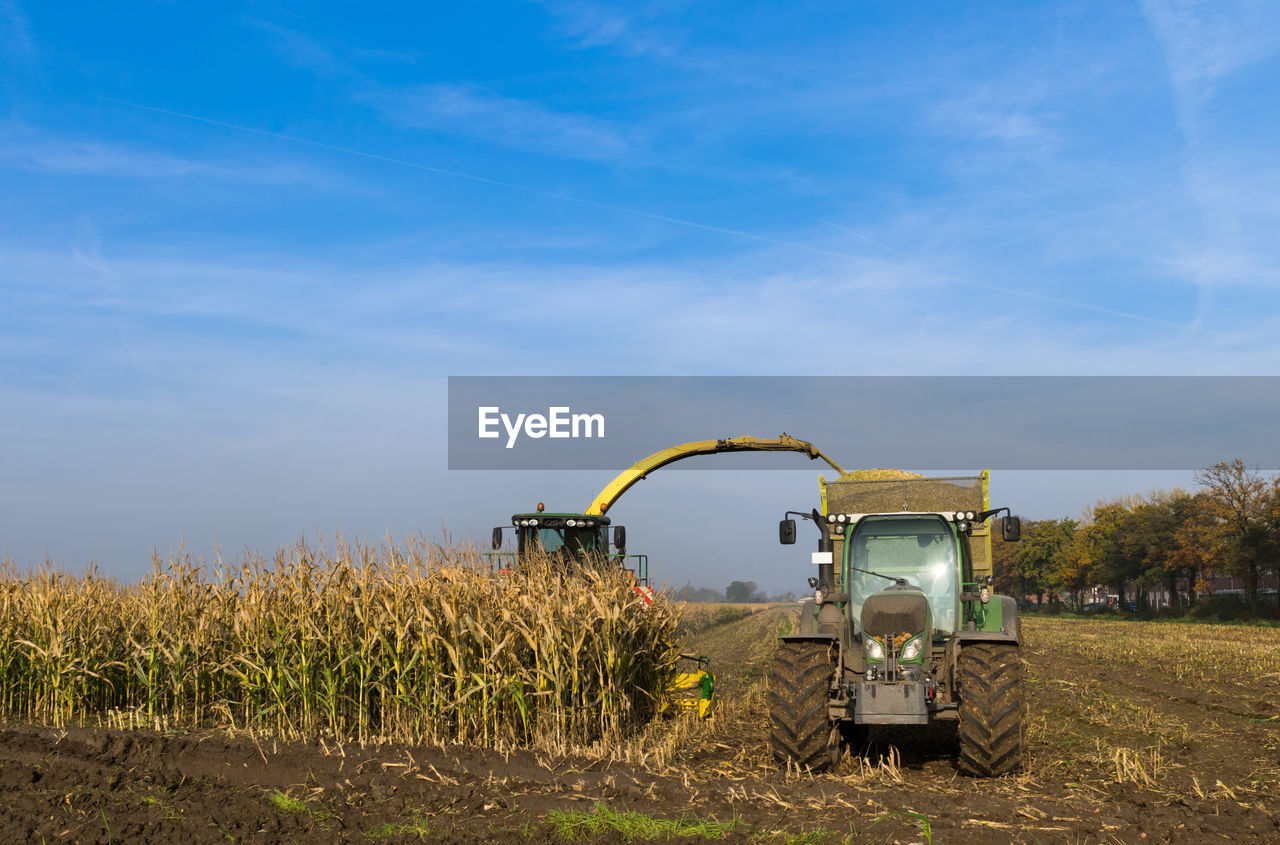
560	520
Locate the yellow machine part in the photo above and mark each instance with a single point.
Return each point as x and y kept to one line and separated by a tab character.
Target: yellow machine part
687	692
692	691
640	469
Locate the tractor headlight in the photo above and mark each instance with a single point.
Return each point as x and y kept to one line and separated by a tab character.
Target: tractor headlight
570	523
839	529
840	517
533	522
912	649
985	594
874	649
590	523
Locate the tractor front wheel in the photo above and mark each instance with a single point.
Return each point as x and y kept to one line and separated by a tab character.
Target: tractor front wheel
799	688
991	709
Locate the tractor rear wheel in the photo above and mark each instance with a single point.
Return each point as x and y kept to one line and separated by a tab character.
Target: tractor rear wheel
799	688
991	709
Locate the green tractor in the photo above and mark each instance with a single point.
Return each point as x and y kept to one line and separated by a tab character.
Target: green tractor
572	537
900	632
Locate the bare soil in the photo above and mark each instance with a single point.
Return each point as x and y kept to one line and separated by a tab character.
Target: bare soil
1116	755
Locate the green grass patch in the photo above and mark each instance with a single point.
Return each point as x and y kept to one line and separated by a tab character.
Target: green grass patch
926	827
572	825
289	804
165	809
419	826
811	837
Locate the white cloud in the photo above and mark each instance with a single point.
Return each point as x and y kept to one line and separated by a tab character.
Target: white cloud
326	55
44	152
1205	42
598	25
989	120
16	40
521	124
1207	45
1219	267
1016	108
767	312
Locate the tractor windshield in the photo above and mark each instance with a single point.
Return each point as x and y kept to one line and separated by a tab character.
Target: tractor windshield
921	549
572	541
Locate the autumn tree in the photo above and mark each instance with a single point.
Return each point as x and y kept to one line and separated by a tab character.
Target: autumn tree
1148	538
1197	549
1039	559
1241	500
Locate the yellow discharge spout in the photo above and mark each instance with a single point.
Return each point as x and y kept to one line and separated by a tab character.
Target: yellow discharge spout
641	468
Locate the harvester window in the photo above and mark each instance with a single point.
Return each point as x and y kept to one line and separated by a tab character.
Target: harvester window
920	549
551	539
575	541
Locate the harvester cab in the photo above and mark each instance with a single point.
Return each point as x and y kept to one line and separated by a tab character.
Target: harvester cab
572	537
902	630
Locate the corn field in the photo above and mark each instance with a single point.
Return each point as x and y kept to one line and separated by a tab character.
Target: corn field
420	643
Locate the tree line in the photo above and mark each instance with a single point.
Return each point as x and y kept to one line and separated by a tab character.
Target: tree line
1174	540
738	592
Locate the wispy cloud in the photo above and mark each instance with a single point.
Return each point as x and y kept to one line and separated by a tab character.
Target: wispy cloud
989	117
16	40
1205	42
36	150
433	318
597	25
1223	267
515	123
1207	48
323	54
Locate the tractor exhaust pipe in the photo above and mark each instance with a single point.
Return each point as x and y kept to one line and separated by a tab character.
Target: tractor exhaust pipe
826	571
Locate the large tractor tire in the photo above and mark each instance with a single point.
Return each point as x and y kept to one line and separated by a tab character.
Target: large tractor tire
991	709
798	692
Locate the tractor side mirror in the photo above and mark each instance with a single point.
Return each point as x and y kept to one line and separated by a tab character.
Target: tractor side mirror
787	532
620	537
497	538
1010	529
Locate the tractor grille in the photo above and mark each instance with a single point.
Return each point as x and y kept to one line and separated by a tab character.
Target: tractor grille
887	615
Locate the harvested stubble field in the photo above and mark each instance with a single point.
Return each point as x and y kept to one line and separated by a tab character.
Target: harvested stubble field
1139	732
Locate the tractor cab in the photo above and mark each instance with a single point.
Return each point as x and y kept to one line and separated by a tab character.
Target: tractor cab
571	537
566	534
891	555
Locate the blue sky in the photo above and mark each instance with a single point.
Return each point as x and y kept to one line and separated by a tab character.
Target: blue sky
242	245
